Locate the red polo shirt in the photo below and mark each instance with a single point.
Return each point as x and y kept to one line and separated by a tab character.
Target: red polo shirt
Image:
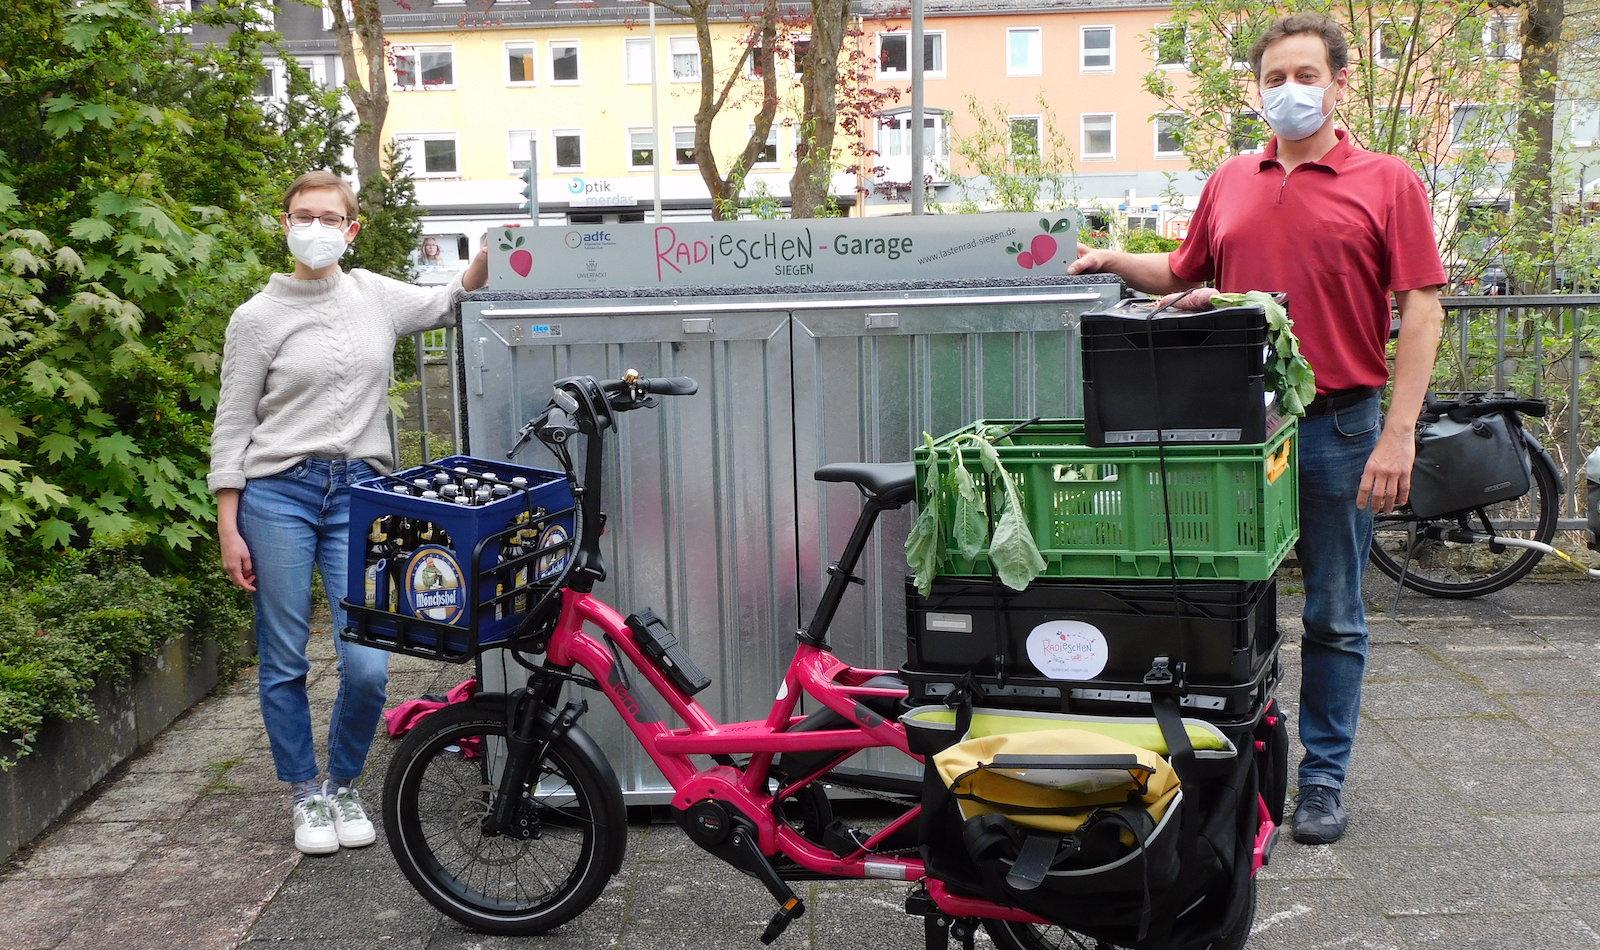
1337	235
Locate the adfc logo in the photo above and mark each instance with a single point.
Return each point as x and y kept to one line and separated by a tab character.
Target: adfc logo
434	586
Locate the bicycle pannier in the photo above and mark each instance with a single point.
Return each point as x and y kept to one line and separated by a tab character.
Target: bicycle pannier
1467	463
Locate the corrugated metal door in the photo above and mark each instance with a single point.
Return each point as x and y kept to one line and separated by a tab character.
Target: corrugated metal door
870	380
700	491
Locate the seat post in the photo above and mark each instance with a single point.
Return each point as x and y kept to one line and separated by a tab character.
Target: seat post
841	573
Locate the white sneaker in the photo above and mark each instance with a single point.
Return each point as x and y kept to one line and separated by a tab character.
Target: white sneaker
314	829
350	821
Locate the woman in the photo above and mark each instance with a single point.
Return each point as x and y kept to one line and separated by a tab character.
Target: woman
305	379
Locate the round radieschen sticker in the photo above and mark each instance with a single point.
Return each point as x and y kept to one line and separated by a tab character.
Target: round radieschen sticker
1067	650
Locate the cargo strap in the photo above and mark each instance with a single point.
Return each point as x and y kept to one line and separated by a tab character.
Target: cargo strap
1164	702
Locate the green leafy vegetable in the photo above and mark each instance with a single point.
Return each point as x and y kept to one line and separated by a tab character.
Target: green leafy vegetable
1288	373
1011	548
971	527
922	546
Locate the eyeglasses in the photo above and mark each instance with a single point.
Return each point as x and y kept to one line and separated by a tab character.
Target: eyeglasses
303	219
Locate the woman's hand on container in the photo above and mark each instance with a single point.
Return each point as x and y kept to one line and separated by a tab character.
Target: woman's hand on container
477	272
236	560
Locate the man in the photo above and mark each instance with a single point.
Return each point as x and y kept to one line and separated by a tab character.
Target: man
1338	229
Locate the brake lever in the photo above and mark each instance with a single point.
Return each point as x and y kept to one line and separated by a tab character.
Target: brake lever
525	433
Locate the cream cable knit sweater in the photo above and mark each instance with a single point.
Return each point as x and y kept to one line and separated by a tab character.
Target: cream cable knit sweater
306	366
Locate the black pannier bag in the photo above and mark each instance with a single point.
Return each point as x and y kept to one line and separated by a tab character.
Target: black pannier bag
1470	454
1179	882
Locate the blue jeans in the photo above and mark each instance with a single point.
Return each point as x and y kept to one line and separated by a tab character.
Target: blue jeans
1335	538
290	521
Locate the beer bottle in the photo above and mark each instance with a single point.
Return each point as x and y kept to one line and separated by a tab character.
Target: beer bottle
377	550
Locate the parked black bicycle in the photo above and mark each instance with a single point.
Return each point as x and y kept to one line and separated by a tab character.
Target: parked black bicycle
1485	500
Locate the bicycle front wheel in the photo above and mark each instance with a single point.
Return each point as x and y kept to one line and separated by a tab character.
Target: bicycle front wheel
1452	570
570	827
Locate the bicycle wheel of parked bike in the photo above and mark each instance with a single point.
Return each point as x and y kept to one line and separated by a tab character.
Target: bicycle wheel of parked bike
1013	936
1453	570
569	835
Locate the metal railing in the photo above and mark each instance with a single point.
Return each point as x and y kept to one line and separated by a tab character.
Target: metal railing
1543	346
1539	346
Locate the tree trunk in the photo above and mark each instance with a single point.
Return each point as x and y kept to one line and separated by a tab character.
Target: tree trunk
819	115
1534	189
362	21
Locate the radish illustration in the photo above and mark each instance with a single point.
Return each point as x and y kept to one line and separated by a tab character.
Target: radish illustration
521	259
1042	249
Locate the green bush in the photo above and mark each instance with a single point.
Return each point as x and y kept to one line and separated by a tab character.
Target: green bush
90	619
1145	241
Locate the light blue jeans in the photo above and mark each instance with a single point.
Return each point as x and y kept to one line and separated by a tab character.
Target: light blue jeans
1335	538
291	521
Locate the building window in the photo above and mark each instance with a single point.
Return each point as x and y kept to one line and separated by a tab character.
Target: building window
769	153
800	46
430	154
1143	222
316	71
641	148
1027	136
425	67
1479	126
569	149
1586	124
175	8
520	144
1099	135
1386	120
894	57
1240	38
1099	53
638	57
1169	135
683	146
1248	133
1391	39
270	84
1500	40
519	63
894	144
1024	52
327	13
685	52
1172	45
564	61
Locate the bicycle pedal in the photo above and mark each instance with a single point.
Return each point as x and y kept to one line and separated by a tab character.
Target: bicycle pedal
842	839
793	909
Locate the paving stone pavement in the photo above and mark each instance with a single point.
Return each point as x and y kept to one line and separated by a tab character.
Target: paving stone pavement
1475	801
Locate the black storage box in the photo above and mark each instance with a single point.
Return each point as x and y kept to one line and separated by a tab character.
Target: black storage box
1062	643
1211	368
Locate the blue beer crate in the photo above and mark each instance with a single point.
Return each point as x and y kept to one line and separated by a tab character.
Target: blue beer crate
438	579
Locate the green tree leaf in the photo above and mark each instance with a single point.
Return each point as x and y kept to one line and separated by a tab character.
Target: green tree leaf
11	428
54	533
58	446
43	494
116	447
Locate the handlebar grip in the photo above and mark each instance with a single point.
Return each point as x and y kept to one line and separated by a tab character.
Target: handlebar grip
671	386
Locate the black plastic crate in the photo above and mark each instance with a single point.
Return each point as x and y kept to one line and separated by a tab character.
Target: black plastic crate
1217	702
1211	367
1222	631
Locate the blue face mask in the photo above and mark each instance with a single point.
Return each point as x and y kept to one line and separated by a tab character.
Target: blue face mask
1294	110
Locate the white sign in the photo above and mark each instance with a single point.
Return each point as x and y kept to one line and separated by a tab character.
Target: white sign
775	253
599	193
1068	650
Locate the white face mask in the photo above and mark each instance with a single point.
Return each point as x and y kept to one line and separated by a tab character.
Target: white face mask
1294	110
316	245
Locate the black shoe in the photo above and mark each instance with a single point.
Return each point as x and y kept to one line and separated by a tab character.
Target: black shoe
1319	816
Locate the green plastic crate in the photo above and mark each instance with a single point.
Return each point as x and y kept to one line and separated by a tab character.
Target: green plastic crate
1097	512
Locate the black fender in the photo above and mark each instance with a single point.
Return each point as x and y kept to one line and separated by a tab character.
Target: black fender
1536	447
496	704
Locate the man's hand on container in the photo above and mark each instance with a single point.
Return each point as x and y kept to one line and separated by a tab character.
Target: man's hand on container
1093	260
1386	482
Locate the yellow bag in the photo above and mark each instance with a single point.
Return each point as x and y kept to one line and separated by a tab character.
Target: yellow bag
1053	780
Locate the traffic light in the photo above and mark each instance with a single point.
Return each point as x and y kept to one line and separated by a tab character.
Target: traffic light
530	193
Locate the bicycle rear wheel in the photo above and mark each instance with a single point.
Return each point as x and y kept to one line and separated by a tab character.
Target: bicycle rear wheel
1014	936
571	826
1452	570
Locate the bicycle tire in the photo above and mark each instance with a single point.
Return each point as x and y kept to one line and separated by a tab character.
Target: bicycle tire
1546	484
1014	936
597	816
